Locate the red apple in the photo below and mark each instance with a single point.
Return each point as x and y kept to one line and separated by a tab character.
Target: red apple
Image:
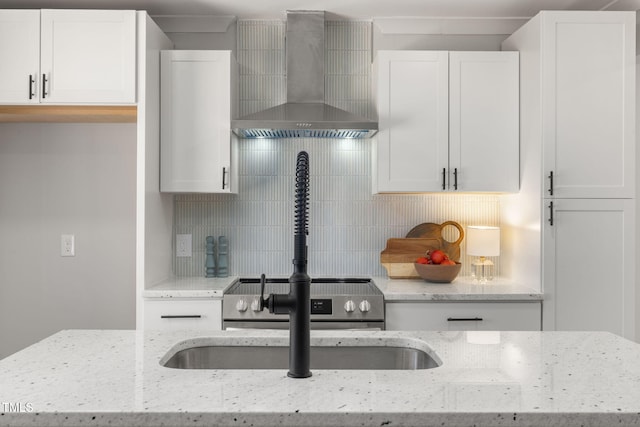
438	256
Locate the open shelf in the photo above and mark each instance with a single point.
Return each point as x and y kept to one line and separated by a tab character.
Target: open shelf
68	114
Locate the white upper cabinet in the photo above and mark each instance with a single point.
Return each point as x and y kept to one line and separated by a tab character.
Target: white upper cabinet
412	101
448	121
483	121
20	53
197	92
68	56
88	56
588	79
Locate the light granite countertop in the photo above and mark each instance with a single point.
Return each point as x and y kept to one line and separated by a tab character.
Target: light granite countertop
486	378
190	287
461	289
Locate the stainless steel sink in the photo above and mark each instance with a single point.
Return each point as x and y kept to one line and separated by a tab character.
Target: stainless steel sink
322	357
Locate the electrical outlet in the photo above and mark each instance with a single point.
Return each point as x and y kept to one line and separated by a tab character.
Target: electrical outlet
67	245
183	245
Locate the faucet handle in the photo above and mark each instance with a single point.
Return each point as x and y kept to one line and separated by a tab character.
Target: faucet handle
261	301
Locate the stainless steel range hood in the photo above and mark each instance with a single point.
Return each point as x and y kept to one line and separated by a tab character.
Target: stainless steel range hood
305	115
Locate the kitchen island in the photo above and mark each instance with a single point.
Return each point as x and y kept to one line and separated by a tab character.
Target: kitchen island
79	377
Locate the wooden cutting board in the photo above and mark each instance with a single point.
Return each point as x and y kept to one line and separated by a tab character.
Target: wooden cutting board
431	230
400	254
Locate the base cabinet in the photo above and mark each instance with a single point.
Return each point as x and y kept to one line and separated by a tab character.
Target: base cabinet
463	316
589	266
196	314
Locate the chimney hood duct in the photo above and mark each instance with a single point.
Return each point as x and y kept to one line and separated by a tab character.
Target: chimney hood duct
305	115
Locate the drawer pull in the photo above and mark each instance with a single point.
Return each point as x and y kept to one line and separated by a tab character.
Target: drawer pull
464	319
181	316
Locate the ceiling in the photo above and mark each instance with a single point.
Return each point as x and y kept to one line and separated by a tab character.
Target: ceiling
346	9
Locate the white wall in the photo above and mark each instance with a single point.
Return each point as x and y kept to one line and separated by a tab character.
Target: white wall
66	179
637	313
436	41
637	186
199	32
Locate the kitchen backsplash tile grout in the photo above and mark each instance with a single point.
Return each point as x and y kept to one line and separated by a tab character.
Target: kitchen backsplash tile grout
348	225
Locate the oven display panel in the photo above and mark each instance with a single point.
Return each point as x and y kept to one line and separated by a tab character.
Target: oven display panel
321	306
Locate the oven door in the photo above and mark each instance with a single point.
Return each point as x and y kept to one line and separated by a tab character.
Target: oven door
234	325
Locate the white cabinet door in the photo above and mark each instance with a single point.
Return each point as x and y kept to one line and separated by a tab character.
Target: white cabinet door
88	56
448	121
588	266
196	106
20	53
483	121
588	74
183	314
463	316
412	144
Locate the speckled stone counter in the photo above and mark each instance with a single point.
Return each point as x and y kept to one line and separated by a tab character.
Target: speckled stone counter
461	289
486	378
190	287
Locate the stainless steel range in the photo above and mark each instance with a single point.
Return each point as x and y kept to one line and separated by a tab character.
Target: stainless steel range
350	303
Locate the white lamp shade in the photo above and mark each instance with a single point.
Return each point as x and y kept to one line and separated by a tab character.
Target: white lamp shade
483	241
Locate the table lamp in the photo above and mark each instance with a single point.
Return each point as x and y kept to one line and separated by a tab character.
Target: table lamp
483	242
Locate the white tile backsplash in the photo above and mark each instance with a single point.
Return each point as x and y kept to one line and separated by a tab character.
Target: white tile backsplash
348	226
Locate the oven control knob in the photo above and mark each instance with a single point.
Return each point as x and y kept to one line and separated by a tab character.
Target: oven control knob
241	305
255	305
364	306
349	306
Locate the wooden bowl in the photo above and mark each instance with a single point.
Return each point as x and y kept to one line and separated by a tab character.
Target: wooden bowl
438	273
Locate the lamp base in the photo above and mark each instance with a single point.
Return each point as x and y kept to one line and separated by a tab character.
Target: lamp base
482	271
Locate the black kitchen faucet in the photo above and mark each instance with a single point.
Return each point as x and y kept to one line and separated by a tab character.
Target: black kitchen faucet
297	303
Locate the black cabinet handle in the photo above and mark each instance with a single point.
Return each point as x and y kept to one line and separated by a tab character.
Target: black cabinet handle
44	86
464	319
180	316
455	178
31	82
224	176
444	178
550	183
551	214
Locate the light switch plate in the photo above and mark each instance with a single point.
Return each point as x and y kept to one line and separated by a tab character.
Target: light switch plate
183	245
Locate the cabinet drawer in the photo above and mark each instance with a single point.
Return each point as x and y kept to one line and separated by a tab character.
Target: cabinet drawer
183	314
456	316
